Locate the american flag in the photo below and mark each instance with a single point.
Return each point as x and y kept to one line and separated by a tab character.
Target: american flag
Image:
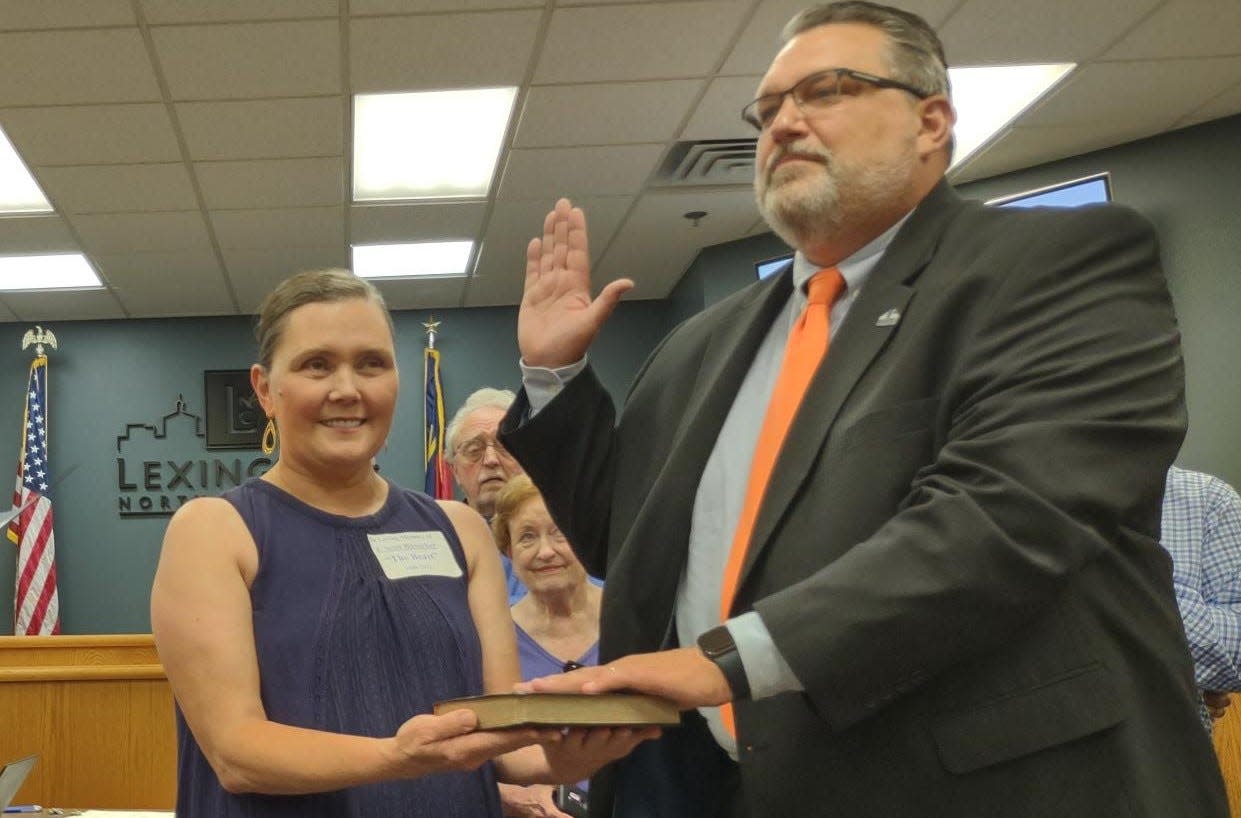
36	603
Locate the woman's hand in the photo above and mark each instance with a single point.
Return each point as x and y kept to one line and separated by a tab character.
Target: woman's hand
430	744
534	801
581	752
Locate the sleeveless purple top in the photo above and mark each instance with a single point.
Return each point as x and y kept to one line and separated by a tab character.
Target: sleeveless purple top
343	648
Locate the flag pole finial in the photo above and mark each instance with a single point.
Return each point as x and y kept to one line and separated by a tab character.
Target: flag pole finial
39	336
432	329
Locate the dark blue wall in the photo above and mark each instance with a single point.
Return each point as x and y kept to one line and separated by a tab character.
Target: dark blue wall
107	374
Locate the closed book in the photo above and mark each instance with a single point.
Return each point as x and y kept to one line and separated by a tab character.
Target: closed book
566	710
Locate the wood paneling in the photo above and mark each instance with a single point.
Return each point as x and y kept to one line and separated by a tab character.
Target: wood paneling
98	711
1227	738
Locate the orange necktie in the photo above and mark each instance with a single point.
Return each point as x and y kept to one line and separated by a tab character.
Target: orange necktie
806	347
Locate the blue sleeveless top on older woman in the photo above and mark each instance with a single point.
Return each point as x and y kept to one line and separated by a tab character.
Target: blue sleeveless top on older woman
344	648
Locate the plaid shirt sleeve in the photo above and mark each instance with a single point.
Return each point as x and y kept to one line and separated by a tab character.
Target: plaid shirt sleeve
1202	531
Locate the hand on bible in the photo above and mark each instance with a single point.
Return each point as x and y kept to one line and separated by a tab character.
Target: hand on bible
683	675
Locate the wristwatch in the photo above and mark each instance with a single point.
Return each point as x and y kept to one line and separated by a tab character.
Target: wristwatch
717	645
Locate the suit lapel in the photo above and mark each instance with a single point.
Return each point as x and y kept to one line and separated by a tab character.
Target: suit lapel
659	536
872	321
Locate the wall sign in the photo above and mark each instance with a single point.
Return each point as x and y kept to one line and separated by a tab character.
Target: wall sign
235	420
159	466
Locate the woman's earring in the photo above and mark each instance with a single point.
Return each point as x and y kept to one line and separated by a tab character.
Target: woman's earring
270	437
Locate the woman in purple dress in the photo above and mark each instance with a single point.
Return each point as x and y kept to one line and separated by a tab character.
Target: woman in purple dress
557	622
309	619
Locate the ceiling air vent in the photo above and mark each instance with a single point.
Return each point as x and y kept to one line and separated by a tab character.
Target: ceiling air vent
709	162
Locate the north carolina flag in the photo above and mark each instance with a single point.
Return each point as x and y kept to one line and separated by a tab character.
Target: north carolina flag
438	482
36	603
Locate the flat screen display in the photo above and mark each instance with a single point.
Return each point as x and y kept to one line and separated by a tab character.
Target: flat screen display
1090	190
770	266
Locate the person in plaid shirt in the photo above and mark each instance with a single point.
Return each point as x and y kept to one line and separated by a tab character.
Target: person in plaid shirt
1202	531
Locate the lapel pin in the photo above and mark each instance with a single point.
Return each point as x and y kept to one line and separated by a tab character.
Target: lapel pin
889	318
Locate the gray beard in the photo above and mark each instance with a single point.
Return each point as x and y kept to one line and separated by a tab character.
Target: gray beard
816	213
797	217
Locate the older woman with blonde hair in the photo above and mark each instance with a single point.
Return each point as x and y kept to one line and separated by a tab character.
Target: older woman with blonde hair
558	621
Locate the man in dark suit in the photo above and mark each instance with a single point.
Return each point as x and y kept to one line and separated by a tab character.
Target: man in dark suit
951	599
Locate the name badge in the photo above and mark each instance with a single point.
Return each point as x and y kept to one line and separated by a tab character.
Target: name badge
414	554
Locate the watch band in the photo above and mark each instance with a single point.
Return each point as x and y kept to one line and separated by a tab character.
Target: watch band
718	646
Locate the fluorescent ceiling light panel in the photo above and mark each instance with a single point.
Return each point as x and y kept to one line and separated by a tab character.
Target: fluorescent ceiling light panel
988	98
19	193
62	271
429	145
428	258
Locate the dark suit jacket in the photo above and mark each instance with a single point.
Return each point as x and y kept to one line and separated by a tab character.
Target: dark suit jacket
959	553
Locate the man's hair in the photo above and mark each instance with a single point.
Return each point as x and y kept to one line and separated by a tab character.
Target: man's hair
512	497
310	287
916	55
500	399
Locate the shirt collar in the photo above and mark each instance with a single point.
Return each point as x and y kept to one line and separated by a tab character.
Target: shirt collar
855	269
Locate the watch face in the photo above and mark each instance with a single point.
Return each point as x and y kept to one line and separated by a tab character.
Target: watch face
717	642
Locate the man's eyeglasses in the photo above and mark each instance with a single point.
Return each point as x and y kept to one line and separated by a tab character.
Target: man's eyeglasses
818	92
472	451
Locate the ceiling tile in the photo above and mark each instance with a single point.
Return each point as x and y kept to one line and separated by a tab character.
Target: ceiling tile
179	11
168	283
272	183
263	129
35	234
240	60
1226	104
1048	31
68	67
23	14
264	229
656	267
760	40
498	278
548	173
118	188
255	273
1184	28
92	134
604	114
441	51
5	313
359	8
421	293
63	305
1157	92
143	232
718	115
655	41
379	224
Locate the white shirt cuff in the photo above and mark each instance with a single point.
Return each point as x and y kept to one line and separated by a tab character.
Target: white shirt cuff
542	384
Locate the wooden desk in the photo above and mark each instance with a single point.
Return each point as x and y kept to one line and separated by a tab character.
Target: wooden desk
98	711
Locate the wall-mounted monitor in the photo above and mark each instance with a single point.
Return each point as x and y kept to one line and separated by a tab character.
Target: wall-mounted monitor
1089	190
770	266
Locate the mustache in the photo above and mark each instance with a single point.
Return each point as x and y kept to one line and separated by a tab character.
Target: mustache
799	149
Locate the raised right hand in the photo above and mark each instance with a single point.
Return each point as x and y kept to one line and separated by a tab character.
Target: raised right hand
558	319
